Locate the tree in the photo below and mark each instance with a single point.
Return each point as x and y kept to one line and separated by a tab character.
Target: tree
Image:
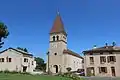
3	33
23	49
41	65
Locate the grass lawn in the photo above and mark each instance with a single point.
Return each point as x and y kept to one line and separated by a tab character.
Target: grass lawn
29	77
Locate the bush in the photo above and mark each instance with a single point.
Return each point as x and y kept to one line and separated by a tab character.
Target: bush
69	69
71	76
1	71
6	71
14	72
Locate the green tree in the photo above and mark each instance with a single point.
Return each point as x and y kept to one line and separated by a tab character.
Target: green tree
40	64
23	49
3	33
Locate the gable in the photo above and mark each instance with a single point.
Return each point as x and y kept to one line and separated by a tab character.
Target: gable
16	51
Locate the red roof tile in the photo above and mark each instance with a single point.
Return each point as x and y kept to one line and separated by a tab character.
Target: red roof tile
104	48
72	53
58	25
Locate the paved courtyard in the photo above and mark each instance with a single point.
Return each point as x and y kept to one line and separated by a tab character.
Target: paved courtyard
101	78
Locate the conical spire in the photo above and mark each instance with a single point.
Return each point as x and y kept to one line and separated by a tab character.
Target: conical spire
58	25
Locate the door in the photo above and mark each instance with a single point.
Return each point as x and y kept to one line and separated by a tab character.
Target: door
24	68
113	71
56	68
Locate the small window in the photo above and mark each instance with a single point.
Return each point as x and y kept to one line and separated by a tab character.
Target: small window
101	53
53	38
103	70
110	52
91	53
102	59
111	59
55	53
1	59
25	60
57	38
32	62
91	60
10	59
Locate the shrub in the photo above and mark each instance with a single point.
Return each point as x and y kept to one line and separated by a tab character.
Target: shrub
1	71
69	69
6	71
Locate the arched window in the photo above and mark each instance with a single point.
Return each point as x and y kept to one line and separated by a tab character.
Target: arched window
53	38
57	38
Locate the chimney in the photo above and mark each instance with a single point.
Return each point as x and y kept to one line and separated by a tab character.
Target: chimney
106	45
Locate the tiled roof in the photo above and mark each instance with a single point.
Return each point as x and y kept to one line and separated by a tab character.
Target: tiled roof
58	25
72	53
22	52
105	48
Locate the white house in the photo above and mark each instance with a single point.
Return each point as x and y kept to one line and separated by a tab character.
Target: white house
60	57
16	60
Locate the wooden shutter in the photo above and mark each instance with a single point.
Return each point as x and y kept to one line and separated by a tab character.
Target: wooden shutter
105	69
108	59
99	69
105	59
114	59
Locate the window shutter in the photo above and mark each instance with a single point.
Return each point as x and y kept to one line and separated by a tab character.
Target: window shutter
99	69
105	69
108	58
114	59
105	59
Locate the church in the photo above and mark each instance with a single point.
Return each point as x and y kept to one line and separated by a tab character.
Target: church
59	57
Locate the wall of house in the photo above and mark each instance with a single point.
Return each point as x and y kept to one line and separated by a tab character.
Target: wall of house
14	65
17	61
72	61
97	64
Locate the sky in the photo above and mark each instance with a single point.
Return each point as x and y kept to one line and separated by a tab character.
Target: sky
87	22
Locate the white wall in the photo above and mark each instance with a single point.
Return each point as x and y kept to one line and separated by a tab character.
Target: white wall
17	61
72	61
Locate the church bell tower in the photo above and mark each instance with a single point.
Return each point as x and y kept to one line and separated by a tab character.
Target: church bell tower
57	44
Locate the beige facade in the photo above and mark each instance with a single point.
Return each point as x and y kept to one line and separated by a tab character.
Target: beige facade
16	60
102	62
60	57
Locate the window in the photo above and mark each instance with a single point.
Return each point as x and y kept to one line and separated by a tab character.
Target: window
91	60
53	38
10	60
25	60
55	53
57	38
111	59
32	62
102	59
91	53
103	70
1	59
110	52
101	53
